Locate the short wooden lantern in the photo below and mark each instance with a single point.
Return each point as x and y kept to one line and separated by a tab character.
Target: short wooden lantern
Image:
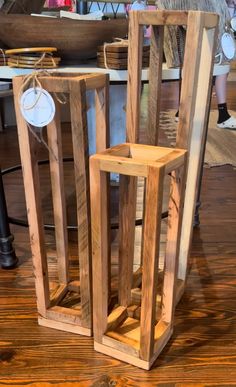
54	313
136	329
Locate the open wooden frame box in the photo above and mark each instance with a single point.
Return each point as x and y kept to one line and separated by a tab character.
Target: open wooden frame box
118	332
52	314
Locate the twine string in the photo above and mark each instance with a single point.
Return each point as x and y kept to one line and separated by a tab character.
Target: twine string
47	55
34	80
117	42
4	57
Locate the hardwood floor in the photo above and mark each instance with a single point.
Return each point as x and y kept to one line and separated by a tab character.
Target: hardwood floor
202	350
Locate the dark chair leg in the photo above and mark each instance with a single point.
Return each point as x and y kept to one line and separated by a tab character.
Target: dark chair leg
8	258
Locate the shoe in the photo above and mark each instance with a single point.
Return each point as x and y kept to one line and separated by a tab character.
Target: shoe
230	123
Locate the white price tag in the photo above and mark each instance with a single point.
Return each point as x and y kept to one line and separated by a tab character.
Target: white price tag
37	107
233	23
228	45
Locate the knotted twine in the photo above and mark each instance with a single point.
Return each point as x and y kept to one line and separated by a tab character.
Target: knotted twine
33	79
118	42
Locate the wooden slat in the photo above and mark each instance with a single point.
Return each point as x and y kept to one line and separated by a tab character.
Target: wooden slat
57	294
123	165
116	317
61	81
155	79
137	278
163	333
173	161
148	152
131	310
81	169
161	17
175	212
58	195
102	116
137	296
127	214
100	249
74	286
127	346
33	203
190	79
134	78
152	229
121	355
66	315
66	327
118	150
198	67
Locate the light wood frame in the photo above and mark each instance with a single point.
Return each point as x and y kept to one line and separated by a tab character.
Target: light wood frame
201	39
137	329
51	314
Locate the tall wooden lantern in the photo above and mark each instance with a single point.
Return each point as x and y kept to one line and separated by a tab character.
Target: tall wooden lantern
137	327
53	311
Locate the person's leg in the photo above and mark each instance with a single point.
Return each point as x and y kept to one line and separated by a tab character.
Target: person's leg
224	118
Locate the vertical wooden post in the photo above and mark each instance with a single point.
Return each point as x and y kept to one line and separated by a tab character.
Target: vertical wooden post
155	79
58	195
100	249
134	79
194	108
102	117
127	214
151	241
81	166
34	210
175	212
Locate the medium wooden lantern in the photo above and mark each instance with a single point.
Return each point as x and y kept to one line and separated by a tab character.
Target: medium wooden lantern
137	327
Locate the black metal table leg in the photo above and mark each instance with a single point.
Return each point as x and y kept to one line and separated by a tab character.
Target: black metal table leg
8	258
196	221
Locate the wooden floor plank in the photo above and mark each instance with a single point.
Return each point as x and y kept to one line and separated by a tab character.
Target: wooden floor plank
202	350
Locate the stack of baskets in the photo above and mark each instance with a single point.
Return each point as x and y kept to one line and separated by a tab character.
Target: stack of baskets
3	57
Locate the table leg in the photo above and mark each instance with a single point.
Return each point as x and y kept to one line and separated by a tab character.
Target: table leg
8	257
196	221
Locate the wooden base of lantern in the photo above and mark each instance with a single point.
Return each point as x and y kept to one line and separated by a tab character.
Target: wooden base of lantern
140	322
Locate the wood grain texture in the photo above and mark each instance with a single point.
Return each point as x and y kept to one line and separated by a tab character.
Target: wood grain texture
81	170
58	194
155	79
193	124
29	160
151	241
202	350
100	249
127	214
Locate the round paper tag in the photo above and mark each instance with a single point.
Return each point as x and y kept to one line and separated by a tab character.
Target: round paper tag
138	6
233	23
228	45
37	107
